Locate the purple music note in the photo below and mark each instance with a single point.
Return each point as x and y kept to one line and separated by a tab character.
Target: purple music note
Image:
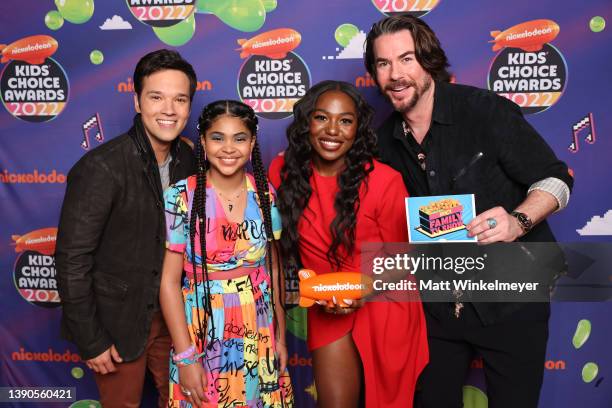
92	123
585	123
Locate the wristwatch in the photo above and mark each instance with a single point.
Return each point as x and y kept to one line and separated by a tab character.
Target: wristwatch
523	220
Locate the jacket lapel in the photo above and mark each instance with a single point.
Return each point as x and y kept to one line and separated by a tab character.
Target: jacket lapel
145	151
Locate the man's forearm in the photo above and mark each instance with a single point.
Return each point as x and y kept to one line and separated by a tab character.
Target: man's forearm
538	205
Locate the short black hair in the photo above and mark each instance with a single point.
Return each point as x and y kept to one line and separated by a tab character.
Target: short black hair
161	60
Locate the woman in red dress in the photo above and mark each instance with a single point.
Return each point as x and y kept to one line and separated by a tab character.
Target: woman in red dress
333	196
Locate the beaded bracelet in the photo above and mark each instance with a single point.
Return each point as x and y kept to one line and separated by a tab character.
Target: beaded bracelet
188	360
185	354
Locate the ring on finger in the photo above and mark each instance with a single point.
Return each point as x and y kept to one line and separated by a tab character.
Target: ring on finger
185	392
492	223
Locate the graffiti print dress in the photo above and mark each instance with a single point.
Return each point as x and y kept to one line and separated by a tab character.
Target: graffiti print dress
240	360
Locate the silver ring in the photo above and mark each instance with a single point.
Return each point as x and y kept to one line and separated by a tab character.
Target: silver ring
185	392
492	222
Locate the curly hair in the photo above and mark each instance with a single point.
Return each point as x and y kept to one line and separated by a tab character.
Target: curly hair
295	190
427	48
210	113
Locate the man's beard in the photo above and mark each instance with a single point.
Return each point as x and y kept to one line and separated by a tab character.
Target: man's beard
406	106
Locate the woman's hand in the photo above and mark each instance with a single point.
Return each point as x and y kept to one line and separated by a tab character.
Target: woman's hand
333	307
192	379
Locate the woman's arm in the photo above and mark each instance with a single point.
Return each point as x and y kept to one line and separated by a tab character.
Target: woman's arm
278	280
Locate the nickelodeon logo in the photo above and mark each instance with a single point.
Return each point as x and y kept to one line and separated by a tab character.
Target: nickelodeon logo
34	177
365	81
128	86
275	44
296	361
550	365
40	240
50	356
528	36
33	49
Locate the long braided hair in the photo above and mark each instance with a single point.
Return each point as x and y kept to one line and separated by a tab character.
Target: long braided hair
295	190
210	113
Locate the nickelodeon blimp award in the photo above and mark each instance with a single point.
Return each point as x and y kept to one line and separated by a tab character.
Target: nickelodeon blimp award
439	218
338	285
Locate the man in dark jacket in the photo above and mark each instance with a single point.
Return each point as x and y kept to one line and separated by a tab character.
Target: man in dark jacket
454	139
111	237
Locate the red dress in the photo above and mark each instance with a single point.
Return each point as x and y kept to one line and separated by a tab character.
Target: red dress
391	337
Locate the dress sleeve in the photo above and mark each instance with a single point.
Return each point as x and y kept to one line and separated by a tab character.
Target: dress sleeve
274	171
177	216
391	213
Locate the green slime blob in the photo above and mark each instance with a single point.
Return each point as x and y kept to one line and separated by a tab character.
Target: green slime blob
296	322
344	33
473	397
597	24
242	15
86	404
96	57
54	20
208	6
589	372
178	34
269	5
77	372
75	11
583	331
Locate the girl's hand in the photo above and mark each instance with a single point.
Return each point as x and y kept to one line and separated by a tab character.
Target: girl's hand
192	379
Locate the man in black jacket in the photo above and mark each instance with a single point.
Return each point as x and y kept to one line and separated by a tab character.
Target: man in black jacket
111	237
453	139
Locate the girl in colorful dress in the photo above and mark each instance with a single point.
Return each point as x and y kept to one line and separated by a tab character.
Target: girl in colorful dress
333	197
226	319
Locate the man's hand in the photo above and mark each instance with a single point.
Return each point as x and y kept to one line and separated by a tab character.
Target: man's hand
103	364
495	225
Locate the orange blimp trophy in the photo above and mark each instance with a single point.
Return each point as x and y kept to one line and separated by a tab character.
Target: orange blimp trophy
338	285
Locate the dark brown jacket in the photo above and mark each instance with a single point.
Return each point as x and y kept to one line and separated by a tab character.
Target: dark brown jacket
111	243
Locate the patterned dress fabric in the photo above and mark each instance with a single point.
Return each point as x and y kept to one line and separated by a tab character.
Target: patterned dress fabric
240	360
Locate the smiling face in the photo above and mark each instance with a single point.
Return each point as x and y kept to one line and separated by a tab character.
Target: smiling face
228	144
333	127
164	106
399	75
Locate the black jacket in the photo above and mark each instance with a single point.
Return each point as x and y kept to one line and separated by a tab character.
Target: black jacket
478	143
111	243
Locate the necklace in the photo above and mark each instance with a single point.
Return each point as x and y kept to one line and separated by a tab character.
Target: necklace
230	200
421	155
